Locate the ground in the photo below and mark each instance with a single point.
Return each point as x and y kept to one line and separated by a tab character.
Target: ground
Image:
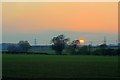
59	66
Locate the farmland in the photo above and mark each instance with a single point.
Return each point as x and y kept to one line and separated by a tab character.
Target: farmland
59	66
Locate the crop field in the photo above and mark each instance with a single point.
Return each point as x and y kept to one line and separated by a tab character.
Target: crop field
59	66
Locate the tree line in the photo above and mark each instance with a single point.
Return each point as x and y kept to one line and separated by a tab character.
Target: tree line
60	43
21	47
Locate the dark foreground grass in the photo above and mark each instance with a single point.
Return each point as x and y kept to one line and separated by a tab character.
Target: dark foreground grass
59	66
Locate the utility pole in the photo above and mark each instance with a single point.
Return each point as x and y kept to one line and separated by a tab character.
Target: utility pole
105	41
118	43
91	43
35	42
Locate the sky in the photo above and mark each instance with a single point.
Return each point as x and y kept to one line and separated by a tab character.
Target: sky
43	20
59	0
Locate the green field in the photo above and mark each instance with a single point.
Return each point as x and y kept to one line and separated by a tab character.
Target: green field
59	66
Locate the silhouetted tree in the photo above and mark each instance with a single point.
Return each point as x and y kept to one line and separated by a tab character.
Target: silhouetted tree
84	50
103	48
59	43
23	46
118	51
73	47
110	52
90	49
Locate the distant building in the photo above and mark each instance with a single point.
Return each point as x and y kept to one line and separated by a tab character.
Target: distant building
41	47
4	46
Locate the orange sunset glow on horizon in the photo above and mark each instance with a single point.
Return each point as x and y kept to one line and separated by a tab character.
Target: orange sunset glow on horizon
66	16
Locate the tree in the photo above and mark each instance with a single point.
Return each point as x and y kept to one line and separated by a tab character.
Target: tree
59	43
118	51
73	47
102	49
84	50
23	46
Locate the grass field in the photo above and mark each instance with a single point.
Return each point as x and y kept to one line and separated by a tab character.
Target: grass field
59	66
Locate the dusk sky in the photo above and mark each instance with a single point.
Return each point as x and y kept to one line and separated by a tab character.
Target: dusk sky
76	20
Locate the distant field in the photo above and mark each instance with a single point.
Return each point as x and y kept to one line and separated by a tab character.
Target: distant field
59	66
